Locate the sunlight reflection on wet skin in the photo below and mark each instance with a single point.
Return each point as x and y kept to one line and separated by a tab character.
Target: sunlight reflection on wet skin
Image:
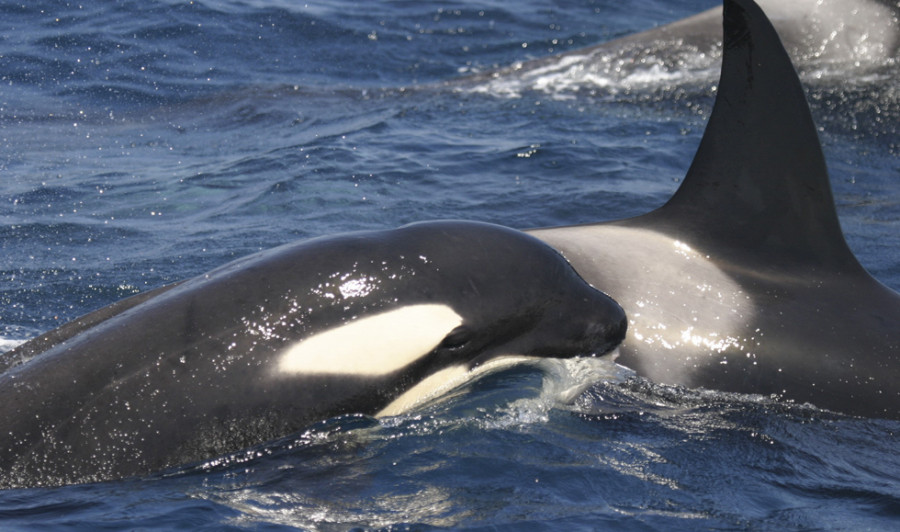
713	309
711	327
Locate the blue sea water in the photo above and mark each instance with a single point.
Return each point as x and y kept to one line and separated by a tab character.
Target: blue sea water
143	142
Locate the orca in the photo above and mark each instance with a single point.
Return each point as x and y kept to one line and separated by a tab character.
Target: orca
824	38
267	345
743	282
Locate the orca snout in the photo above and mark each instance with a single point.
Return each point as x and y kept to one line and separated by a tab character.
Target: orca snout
607	328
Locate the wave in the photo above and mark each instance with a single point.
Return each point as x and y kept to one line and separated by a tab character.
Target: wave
828	41
8	344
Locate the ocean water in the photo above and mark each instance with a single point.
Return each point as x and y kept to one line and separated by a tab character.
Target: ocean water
143	142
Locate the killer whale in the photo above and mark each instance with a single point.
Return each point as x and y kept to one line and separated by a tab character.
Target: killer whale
703	300
824	38
266	345
743	281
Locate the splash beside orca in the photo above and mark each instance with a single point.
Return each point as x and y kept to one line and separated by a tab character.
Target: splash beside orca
826	39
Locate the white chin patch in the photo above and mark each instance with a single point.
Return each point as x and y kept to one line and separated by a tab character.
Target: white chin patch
446	380
374	345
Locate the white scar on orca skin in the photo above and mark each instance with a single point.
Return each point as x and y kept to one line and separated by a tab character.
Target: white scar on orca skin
374	345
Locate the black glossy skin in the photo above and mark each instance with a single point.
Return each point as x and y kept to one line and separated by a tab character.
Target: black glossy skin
189	372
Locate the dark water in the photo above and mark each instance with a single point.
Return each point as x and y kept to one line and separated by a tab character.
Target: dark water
144	142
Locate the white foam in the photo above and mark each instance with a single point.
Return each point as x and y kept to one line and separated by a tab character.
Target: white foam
7	344
571	74
564	380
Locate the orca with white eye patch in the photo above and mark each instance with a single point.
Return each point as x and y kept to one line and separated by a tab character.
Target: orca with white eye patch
264	346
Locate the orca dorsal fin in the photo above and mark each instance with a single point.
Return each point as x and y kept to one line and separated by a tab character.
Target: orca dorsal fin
758	184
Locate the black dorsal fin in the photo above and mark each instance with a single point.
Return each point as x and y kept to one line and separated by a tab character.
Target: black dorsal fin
758	183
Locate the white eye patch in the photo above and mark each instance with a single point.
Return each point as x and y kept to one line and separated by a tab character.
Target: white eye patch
374	345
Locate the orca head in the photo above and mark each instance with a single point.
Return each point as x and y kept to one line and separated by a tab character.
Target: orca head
518	297
568	318
515	298
444	298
